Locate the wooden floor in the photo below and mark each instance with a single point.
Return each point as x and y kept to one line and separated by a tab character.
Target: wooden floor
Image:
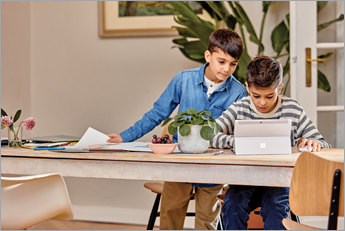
85	225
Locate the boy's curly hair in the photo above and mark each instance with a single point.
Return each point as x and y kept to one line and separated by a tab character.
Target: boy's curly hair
263	72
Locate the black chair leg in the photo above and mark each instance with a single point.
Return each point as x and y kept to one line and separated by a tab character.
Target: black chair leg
154	212
294	217
220	225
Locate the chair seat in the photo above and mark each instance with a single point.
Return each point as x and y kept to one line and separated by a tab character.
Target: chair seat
292	225
154	187
158	188
29	200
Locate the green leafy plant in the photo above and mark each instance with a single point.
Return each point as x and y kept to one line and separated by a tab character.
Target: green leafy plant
183	121
194	33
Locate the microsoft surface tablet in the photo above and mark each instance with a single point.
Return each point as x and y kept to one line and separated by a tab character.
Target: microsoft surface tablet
271	136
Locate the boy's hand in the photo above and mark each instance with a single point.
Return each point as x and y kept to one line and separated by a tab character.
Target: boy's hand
316	145
115	138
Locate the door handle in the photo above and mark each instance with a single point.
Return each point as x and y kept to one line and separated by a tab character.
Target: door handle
308	61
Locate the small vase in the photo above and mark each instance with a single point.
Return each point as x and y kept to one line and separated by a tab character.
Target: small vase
193	143
15	137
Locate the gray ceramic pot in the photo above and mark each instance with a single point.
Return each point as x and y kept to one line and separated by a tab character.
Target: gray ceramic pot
193	143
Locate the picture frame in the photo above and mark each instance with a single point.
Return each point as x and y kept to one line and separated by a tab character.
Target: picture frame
113	26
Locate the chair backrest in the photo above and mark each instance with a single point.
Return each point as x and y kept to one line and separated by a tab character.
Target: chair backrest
29	200
312	185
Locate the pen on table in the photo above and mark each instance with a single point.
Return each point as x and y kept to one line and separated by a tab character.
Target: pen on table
55	148
217	153
66	149
76	149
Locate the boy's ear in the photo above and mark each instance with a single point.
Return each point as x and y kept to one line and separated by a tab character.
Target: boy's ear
207	55
280	88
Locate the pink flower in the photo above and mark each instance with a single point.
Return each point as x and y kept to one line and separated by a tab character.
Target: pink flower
30	123
6	121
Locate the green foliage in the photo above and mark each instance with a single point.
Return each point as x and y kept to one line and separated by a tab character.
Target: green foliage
194	33
183	121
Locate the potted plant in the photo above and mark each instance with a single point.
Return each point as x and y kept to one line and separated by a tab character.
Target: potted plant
195	130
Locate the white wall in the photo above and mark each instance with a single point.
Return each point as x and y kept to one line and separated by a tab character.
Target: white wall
68	78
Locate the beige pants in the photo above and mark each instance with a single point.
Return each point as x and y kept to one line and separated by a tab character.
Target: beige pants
175	201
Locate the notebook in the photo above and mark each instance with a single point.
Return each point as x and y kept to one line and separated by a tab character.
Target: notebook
254	137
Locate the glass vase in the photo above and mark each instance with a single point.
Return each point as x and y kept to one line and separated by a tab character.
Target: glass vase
15	136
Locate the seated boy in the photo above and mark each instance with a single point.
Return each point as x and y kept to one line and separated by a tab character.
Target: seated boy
211	87
264	84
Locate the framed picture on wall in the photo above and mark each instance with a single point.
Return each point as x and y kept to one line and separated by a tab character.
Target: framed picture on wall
125	19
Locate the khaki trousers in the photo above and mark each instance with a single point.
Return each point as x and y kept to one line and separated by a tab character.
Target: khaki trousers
175	199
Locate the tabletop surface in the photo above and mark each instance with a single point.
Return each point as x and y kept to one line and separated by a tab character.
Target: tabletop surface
227	157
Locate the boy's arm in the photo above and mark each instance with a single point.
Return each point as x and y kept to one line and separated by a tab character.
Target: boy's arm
306	129
161	110
225	137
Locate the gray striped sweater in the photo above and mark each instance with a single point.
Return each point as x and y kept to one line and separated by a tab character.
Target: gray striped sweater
287	108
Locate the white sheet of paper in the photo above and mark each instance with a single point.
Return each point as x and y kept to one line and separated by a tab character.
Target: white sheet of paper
92	137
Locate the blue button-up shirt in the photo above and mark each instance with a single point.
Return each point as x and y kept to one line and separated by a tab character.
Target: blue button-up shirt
188	90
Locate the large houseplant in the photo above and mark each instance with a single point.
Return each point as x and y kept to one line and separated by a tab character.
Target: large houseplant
194	33
195	129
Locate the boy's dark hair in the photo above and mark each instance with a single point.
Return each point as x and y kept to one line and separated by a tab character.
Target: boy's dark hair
263	72
228	41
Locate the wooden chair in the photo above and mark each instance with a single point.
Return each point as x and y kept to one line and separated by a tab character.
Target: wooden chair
316	189
158	189
29	200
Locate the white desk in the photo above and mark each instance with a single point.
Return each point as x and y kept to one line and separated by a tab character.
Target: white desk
265	170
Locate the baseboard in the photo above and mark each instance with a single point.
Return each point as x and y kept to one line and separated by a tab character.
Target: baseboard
118	215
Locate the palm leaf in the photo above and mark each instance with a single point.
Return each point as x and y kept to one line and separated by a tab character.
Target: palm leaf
326	24
322	82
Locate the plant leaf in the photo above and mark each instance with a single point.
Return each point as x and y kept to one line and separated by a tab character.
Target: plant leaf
230	21
216	129
184	130
3	113
166	121
184	9
219	8
192	56
326	24
322	82
209	10
177	124
17	115
206	132
211	124
265	5
192	111
194	48
2	127
279	37
325	56
185	32
199	28
247	23
171	129
198	121
321	5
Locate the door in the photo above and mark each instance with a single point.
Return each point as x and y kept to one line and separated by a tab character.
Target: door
303	34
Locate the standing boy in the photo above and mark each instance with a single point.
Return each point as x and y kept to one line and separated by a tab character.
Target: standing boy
264	84
211	87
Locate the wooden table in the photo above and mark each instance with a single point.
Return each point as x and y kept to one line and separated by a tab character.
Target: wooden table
227	168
